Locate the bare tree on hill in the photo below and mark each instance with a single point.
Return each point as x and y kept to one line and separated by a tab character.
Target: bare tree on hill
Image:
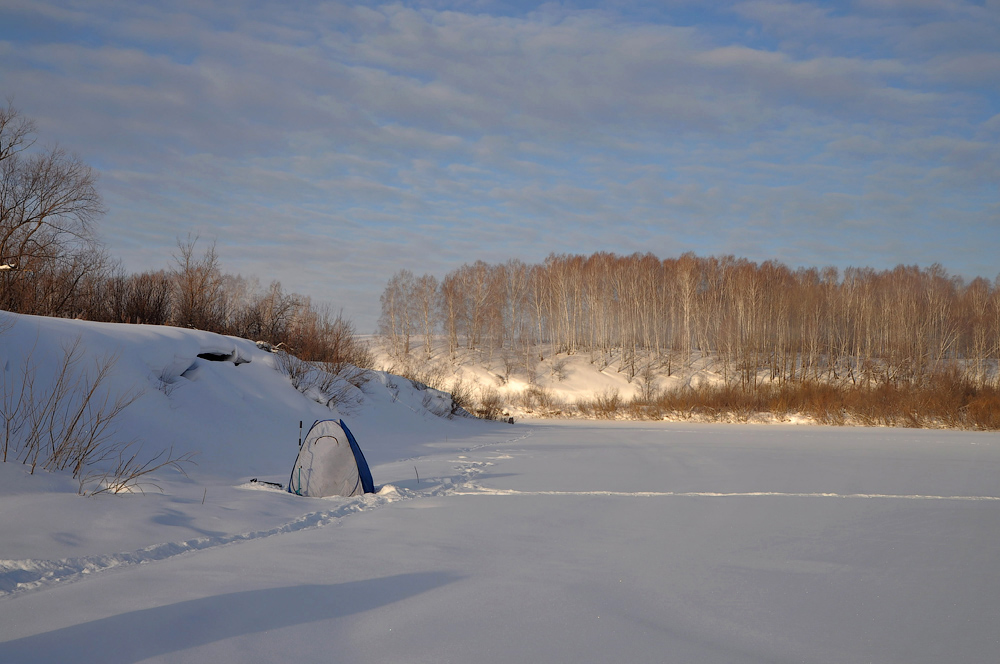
48	204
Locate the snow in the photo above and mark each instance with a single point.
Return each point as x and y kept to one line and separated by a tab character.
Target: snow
543	541
565	378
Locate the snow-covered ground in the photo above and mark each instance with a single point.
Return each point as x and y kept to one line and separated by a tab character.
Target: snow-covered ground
541	541
564	379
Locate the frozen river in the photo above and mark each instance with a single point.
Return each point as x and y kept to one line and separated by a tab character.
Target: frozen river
541	542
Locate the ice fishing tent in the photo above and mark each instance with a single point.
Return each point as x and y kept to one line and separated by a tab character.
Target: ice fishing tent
330	463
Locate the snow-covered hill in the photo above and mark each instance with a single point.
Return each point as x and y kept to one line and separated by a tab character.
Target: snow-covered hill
545	383
239	416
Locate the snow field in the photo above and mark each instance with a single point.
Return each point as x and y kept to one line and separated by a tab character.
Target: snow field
586	570
547	541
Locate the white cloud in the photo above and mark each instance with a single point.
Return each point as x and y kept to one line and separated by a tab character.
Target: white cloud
394	136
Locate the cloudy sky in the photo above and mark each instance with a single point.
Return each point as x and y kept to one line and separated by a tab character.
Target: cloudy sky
327	145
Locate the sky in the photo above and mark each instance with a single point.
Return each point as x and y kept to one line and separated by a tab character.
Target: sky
328	145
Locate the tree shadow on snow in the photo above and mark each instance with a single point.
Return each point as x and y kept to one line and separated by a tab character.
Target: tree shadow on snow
179	519
138	635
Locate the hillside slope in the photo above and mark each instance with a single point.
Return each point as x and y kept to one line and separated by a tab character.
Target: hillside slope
239	416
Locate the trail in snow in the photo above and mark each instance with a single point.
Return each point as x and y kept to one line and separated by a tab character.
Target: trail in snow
19	576
482	491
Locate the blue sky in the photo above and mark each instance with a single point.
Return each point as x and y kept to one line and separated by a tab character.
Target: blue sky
328	145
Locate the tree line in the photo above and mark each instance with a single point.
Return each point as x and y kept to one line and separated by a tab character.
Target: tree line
193	293
756	321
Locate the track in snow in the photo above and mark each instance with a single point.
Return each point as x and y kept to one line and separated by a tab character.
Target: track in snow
20	576
476	490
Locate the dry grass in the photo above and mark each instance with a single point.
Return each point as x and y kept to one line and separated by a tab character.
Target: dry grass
538	400
946	400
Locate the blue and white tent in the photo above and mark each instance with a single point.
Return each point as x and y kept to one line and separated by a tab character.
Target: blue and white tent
330	463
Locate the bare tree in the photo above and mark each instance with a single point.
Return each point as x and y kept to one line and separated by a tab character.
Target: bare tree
48	203
396	322
425	305
452	310
198	287
976	312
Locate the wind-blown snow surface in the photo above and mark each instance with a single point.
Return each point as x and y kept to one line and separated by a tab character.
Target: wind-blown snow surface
540	541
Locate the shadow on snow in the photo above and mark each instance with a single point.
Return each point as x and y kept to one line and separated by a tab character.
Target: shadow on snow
139	635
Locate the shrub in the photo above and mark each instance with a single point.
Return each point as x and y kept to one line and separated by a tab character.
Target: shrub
539	399
318	381
606	404
461	397
69	423
490	405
